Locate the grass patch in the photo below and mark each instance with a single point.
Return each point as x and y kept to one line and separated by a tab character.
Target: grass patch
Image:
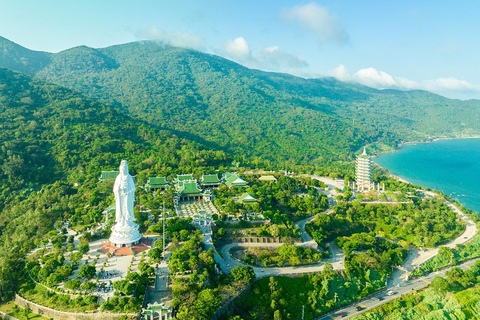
451	257
319	293
63	302
12	309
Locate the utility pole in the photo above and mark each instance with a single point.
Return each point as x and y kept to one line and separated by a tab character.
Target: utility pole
303	312
163	218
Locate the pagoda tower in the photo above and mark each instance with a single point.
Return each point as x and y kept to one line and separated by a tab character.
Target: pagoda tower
363	172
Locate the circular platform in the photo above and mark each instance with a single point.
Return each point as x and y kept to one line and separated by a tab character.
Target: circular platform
125	236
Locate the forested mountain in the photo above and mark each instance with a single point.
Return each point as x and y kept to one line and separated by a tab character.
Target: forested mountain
250	113
53	145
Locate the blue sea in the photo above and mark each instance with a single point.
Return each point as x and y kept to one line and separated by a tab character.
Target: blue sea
451	166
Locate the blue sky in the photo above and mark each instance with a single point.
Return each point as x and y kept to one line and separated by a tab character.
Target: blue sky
430	45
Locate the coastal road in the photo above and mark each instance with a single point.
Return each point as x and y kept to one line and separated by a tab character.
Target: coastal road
372	301
397	282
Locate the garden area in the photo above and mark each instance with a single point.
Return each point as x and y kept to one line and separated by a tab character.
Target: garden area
285	255
63	302
289	199
283	297
198	290
14	310
425	223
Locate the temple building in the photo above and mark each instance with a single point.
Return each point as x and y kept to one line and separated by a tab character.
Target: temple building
184	177
246	198
268	179
233	180
188	189
210	180
156	183
363	172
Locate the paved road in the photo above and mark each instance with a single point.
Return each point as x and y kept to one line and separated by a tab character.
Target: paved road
397	281
336	260
307	240
208	243
467	235
405	287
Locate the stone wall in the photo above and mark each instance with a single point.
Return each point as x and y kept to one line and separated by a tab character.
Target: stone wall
63	315
247	239
3	315
257	240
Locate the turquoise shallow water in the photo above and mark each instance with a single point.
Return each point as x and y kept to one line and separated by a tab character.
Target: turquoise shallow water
451	166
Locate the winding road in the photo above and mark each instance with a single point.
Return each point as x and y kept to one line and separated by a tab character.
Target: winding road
397	282
227	262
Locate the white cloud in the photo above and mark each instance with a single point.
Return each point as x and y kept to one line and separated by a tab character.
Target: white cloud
449	87
317	19
278	58
239	49
374	78
341	73
173	38
269	58
450	84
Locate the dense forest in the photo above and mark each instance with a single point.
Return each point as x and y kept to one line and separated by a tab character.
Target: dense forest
53	145
250	113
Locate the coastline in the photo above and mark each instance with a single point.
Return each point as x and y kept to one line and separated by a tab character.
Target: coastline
395	176
460	189
401	144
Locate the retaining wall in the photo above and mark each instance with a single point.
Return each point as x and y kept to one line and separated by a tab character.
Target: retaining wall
3	315
63	315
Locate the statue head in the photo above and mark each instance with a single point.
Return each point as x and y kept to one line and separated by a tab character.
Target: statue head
124	167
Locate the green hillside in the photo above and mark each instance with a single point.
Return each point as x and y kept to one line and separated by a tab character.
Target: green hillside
53	145
277	117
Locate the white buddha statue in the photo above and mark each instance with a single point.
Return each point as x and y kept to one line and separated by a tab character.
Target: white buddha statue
124	190
125	231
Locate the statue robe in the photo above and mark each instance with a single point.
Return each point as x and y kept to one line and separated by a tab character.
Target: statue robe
124	190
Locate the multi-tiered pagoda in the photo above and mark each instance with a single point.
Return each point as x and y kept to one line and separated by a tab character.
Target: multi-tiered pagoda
363	172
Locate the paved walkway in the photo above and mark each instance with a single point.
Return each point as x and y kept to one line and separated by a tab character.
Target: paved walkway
336	259
227	262
471	230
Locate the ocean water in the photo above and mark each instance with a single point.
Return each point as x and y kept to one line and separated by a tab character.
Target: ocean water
451	166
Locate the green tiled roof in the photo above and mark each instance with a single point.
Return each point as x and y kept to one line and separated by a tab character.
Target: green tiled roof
233	180
188	189
156	183
184	177
157	180
246	198
228	175
109	175
210	180
268	178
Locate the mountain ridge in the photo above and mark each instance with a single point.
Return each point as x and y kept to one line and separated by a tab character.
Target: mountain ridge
251	113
